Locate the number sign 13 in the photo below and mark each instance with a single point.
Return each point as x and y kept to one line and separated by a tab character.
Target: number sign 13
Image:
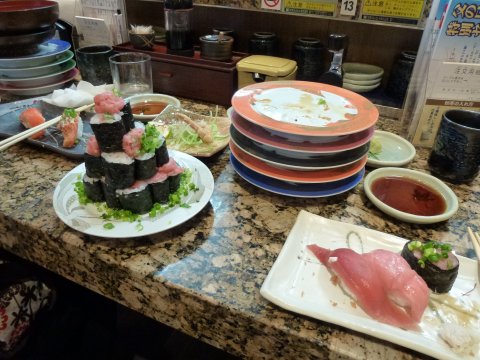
349	7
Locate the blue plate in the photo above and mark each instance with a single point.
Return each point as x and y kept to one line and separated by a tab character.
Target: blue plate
47	52
296	189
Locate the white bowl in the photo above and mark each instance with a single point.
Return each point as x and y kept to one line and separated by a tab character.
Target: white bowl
360	88
359	71
145	98
396	151
430	181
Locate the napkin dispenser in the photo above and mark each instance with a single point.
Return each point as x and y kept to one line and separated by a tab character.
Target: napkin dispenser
260	68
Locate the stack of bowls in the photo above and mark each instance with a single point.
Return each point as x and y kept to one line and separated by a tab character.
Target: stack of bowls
31	63
361	78
299	138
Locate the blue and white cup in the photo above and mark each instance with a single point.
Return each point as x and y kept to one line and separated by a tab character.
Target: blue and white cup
455	155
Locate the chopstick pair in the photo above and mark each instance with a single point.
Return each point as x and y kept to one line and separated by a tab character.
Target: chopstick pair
475	238
14	139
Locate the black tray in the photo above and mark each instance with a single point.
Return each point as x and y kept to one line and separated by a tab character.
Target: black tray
53	139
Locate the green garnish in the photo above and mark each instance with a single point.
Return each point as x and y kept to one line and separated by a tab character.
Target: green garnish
107	214
322	102
69	113
430	251
150	139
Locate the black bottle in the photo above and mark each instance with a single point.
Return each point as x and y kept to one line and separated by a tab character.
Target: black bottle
178	23
334	75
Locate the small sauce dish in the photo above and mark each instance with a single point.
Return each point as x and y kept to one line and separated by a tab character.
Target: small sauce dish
410	195
394	150
147	107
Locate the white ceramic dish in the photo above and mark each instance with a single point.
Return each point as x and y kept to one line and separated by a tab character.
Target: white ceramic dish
297	282
28	72
396	151
144	98
432	182
360	88
360	71
87	219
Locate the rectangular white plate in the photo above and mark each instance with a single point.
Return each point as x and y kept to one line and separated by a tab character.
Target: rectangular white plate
298	282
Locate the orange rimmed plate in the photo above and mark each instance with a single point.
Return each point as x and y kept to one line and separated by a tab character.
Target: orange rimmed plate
307	177
305	108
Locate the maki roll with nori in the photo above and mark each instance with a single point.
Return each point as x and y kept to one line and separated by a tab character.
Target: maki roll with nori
127	117
109	192
160	187
161	151
145	166
434	262
136	198
109	131
107	124
173	171
119	169
93	188
93	161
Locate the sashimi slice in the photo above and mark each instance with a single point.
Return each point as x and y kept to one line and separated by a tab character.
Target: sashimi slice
30	118
381	282
69	126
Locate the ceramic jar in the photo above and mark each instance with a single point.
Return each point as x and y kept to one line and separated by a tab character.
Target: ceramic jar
308	52
263	43
216	47
400	75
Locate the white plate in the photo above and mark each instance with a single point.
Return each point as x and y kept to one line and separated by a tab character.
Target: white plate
298	282
360	71
360	88
430	181
86	219
396	151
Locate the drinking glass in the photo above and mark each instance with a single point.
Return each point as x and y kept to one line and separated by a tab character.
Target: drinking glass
131	73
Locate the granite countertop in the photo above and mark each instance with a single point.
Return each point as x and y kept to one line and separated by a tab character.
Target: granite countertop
204	276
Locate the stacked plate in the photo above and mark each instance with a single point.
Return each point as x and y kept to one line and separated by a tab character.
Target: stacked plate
300	138
30	62
49	68
361	78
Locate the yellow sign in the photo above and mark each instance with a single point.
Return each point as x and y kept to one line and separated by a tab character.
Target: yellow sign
326	7
410	9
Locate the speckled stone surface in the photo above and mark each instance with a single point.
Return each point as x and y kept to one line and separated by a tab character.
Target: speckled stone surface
204	276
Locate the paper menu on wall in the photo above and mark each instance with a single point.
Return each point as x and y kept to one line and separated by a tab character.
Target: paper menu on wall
94	31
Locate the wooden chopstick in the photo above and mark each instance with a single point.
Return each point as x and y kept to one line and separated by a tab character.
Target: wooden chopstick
12	140
475	238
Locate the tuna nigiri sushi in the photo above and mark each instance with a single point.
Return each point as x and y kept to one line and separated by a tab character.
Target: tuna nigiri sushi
30	118
381	282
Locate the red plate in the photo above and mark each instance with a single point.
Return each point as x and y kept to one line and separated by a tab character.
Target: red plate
305	108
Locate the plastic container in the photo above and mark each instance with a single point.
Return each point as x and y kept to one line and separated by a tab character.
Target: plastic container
259	68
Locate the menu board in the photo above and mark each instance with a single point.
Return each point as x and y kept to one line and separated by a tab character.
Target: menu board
453	75
393	11
312	7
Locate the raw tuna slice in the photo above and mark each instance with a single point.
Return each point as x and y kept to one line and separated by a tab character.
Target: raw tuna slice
30	118
381	282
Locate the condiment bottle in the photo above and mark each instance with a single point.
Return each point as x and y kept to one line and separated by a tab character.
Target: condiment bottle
178	23
334	75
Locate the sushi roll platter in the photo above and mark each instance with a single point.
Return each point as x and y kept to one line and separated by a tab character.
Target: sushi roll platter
129	174
313	130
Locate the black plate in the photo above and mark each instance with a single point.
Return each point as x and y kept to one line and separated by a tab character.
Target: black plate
295	158
53	139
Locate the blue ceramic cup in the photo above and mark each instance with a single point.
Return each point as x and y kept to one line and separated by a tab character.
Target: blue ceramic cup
455	155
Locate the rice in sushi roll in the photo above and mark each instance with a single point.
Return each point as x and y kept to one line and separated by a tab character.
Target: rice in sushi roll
119	169
93	188
93	161
434	262
136	198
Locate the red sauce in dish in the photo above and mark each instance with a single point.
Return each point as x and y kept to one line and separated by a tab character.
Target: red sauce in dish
149	107
409	196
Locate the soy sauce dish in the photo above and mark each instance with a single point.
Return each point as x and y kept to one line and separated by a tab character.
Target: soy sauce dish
388	149
146	107
410	195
